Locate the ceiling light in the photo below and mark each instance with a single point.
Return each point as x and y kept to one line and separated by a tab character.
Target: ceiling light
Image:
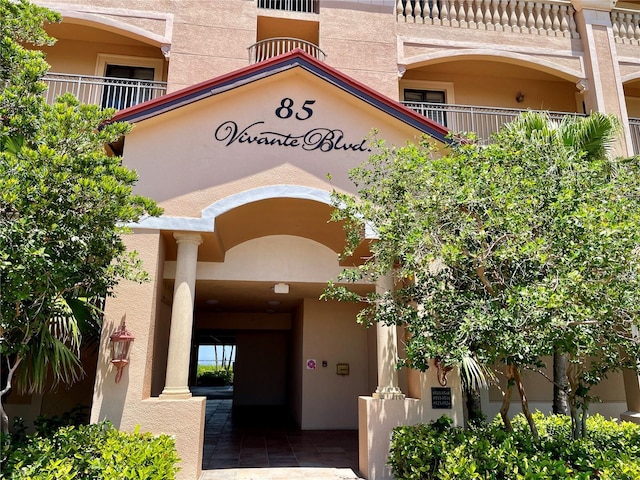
281	288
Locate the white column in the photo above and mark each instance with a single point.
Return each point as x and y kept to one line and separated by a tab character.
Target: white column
387	341
177	379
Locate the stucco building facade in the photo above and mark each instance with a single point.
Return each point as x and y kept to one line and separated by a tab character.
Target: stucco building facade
240	110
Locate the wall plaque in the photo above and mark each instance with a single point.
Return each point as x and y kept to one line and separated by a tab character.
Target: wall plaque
441	397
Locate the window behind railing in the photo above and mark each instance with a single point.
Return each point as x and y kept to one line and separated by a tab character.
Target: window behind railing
304	6
108	92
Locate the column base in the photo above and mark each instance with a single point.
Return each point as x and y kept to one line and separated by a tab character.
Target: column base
630	416
175	393
388	393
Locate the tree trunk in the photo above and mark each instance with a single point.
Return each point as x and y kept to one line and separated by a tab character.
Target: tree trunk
560	384
473	405
525	403
506	399
4	418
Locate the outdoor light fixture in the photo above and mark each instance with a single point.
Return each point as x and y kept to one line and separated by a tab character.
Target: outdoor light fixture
281	288
520	97
121	342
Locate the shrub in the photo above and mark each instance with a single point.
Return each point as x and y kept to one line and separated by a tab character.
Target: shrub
213	376
440	451
96	451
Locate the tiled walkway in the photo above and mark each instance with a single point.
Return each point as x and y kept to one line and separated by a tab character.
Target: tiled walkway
265	446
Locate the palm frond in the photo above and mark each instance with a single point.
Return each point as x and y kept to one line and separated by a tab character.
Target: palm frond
475	375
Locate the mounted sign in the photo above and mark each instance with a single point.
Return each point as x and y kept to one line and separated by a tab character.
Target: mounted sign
441	398
320	139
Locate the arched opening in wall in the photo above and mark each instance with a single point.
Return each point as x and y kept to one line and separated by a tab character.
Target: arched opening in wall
102	66
471	94
262	298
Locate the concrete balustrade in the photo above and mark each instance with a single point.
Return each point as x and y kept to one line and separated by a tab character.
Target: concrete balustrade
625	25
554	19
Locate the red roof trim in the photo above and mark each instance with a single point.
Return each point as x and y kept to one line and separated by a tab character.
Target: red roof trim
295	58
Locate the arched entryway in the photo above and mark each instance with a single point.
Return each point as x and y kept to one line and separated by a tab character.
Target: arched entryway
290	404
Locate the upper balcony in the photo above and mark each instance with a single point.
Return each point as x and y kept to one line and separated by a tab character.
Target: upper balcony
485	121
301	6
551	18
271	47
118	93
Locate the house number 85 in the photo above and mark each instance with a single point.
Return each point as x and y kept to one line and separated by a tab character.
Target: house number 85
285	110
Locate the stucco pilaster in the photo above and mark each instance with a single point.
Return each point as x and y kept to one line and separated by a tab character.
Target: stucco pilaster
603	87
177	379
387	352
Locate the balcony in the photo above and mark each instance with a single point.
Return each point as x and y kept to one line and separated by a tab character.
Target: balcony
271	47
111	92
303	6
484	121
550	18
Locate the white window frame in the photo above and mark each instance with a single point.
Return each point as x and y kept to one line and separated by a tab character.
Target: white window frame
446	87
105	59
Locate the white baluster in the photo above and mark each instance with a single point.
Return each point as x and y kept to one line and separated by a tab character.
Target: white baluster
417	12
435	13
538	16
408	11
504	18
453	13
495	17
636	22
615	27
462	15
631	28
513	16
623	29
531	21
564	22
555	20
547	19
400	12
522	19
572	22
487	15
471	23
444	13
478	8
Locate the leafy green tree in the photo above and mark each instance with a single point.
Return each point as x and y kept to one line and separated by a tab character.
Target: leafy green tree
506	253
63	201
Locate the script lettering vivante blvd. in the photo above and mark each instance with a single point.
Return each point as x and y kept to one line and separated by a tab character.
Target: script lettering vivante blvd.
315	139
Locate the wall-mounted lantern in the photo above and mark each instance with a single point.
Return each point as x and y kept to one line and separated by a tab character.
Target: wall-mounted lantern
121	342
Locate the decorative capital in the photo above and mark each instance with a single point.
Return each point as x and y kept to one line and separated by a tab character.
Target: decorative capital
582	86
166	50
401	70
184	237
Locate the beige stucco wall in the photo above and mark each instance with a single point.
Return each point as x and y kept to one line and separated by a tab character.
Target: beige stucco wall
138	305
331	334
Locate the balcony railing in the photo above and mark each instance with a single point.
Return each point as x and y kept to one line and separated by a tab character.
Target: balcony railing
304	6
483	121
275	46
626	26
550	18
117	93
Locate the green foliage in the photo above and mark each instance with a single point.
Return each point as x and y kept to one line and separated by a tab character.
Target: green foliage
97	451
63	203
212	375
439	451
504	253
